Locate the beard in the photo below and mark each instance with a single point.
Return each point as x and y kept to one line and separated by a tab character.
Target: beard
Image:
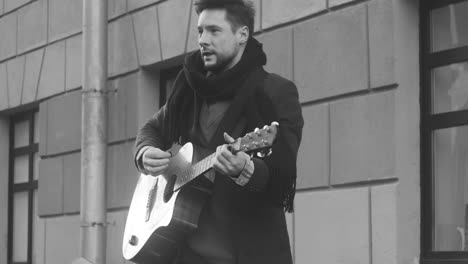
216	62
218	65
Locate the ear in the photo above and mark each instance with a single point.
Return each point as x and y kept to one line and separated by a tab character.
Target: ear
243	34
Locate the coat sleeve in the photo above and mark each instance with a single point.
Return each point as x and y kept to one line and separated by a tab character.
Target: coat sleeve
276	174
153	133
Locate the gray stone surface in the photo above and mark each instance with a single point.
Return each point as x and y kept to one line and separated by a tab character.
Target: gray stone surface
50	196
330	54
276	12
122	54
258	15
333	226
13	4
384	226
73	62
173	23
333	3
313	162
116	111
147	36
407	129
131	108
65	18
123	108
42	118
278	48
31	75
39	233
58	228
32	26
116	8
15	71
71	183
3	87
134	4
363	138
122	175
8	31
192	38
148	95
114	236
64	127
52	79
381	43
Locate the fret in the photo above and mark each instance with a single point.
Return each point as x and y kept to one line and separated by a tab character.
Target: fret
195	170
205	164
211	161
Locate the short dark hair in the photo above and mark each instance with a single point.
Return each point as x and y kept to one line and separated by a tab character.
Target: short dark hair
238	12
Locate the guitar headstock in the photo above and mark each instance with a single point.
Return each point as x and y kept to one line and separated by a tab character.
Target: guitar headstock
257	141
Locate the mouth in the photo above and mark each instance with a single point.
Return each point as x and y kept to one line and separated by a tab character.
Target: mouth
207	53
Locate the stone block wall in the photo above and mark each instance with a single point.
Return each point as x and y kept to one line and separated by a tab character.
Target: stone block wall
355	63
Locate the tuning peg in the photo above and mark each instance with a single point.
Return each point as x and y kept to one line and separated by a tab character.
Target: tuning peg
260	154
269	152
265	127
256	129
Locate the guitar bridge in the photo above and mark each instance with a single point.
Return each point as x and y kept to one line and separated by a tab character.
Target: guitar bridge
150	202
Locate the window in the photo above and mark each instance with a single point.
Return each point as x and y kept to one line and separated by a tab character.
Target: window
444	130
23	172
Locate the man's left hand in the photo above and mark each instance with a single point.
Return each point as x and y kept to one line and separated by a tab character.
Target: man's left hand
228	163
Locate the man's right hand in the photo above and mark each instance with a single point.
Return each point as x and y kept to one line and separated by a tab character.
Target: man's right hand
155	161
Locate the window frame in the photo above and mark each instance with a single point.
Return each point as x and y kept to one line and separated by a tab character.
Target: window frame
30	186
431	122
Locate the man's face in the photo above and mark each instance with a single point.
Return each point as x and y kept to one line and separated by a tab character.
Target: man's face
219	45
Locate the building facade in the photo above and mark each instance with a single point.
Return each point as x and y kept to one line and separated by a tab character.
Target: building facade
382	174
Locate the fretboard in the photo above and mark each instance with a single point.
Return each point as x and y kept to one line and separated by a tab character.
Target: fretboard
197	169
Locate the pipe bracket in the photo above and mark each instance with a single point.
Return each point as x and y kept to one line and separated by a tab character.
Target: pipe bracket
94	224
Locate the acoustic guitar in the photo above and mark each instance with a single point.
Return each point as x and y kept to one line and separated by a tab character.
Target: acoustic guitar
166	208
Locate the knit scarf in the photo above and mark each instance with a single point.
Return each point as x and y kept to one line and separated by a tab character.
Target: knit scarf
193	87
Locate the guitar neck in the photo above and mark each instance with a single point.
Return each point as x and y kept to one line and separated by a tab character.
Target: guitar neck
256	141
202	166
194	171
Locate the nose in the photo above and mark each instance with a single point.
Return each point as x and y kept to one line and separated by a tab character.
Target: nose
203	39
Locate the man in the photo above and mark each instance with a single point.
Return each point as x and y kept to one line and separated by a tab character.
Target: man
221	94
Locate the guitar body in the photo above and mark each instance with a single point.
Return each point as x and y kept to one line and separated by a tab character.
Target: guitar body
160	218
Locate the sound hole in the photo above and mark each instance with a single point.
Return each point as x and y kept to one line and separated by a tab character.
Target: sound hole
169	191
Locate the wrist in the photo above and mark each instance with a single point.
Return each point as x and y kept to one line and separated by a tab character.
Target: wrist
240	172
246	173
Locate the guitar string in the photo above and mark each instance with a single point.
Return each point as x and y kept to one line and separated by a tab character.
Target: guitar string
199	168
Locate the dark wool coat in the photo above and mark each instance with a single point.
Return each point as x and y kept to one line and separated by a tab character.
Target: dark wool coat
257	220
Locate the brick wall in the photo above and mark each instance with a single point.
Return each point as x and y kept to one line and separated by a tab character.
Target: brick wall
356	67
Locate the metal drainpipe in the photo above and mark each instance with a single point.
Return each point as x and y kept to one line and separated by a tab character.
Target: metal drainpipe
94	132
